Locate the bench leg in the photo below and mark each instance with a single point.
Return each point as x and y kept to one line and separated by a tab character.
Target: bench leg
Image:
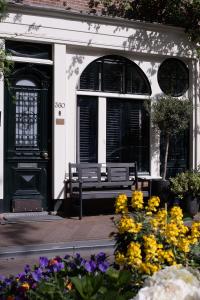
81	208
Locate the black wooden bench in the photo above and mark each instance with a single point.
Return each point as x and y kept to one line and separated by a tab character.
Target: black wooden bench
99	181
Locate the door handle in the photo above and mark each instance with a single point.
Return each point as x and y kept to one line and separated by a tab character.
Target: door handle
44	155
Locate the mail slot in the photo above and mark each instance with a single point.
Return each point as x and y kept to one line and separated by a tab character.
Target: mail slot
27	165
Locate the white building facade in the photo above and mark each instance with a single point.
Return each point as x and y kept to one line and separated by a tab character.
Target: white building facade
77	93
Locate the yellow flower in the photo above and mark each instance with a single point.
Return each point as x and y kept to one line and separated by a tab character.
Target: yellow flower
184	245
69	285
25	285
172	233
120	258
148	213
153	203
176	215
127	224
134	256
121	204
166	256
195	230
137	200
159	221
149	268
193	240
151	247
182	230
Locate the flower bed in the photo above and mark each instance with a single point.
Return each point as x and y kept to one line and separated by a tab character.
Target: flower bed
148	239
68	278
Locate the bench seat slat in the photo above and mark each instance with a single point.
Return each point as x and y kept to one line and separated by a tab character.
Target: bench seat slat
105	194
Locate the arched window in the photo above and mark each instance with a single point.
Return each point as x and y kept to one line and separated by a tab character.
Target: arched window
173	77
114	74
25	82
120	121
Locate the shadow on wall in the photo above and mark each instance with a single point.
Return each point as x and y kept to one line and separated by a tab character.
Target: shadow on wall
147	41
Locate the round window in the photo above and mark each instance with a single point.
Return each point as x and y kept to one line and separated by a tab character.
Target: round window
173	77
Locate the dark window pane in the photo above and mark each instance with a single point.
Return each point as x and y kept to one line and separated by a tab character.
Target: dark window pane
136	82
33	50
90	77
178	157
113	76
127	133
113	133
88	128
26	131
173	77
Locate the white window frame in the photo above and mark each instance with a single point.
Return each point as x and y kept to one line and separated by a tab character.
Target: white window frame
102	99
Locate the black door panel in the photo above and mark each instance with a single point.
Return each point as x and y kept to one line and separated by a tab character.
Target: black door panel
28	140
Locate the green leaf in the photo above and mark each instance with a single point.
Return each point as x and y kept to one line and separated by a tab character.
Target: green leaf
124	277
113	273
87	286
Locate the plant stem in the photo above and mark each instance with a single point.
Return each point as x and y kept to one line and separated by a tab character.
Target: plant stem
166	157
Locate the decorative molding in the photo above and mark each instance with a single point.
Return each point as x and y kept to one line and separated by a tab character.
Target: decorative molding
59	12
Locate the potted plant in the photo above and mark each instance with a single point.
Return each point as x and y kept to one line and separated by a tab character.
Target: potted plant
186	186
170	115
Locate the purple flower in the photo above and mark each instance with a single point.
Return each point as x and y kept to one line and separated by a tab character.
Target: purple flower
2	278
43	262
79	259
22	276
58	258
8	281
78	255
72	265
57	267
90	266
27	269
101	256
37	275
103	266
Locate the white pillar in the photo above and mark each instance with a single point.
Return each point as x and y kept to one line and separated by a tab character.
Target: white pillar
72	72
59	121
102	130
1	134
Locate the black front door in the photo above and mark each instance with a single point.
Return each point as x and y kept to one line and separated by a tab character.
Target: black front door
27	131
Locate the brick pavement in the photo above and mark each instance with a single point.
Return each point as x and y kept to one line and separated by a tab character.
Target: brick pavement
56	231
40	233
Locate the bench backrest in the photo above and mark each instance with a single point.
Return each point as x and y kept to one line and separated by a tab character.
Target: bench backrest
121	171
116	172
85	172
